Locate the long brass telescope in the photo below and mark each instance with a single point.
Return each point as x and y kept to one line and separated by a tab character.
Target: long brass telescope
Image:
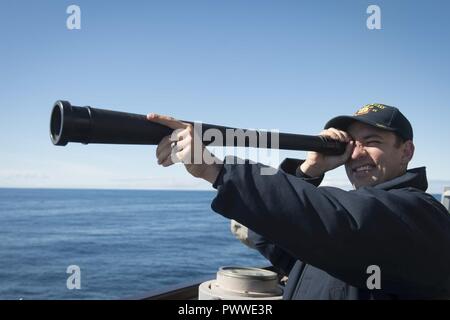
91	125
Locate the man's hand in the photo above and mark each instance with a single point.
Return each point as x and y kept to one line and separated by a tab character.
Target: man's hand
179	147
316	163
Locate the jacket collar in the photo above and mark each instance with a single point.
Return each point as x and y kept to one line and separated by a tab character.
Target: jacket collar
415	178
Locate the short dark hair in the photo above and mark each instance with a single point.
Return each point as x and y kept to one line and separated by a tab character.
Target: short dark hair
399	140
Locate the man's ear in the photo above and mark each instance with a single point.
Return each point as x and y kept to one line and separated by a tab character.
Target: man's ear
408	152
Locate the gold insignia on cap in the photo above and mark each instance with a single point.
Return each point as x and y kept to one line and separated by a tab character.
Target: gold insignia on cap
374	107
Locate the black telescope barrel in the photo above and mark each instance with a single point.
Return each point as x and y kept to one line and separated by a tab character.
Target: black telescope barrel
91	125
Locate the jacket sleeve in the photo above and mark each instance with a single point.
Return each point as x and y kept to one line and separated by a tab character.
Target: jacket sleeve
280	259
402	231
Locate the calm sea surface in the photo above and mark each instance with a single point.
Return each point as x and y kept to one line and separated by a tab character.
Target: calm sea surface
126	243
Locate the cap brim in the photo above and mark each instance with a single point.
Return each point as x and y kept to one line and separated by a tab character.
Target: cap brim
343	122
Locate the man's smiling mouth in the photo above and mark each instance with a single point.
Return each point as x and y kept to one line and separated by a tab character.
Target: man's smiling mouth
365	167
362	170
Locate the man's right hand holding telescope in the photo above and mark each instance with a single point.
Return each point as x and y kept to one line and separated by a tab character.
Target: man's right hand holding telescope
180	146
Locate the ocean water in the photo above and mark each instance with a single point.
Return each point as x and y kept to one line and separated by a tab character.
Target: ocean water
126	243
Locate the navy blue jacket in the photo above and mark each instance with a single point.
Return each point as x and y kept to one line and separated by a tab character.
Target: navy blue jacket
325	237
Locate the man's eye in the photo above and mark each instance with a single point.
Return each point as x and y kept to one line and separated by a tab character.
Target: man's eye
373	142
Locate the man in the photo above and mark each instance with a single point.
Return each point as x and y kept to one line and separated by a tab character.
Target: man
326	239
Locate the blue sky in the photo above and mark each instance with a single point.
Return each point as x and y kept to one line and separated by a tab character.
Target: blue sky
289	65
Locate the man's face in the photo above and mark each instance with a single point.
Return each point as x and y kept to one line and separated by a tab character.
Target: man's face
376	157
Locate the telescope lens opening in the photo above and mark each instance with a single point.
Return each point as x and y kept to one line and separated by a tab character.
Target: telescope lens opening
56	123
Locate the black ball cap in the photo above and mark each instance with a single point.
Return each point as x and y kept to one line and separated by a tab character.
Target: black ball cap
378	115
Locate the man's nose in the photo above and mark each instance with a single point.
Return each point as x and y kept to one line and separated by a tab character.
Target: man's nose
358	151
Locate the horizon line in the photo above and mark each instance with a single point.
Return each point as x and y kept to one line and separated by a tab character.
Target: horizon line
127	189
